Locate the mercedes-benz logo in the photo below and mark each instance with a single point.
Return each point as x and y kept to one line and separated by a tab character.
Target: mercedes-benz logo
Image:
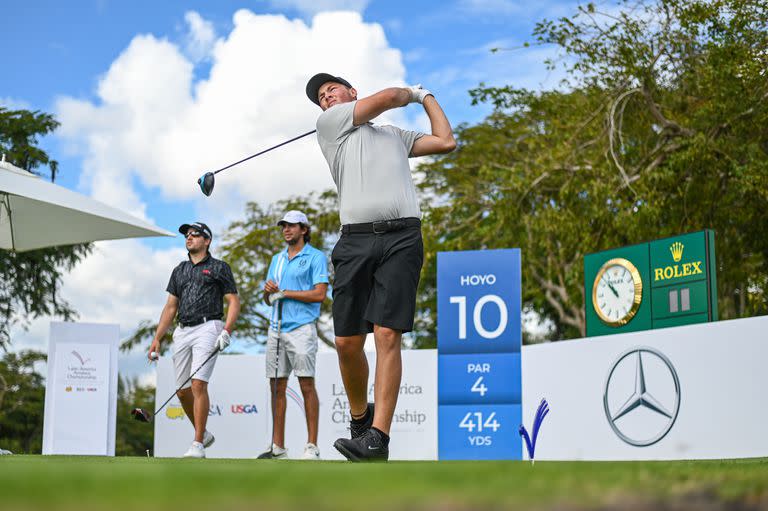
641	396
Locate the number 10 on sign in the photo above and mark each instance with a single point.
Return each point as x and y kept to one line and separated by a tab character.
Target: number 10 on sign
477	316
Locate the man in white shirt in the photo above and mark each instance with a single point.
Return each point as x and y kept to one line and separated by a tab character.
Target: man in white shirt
377	261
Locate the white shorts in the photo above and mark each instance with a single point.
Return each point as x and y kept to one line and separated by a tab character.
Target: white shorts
191	346
298	349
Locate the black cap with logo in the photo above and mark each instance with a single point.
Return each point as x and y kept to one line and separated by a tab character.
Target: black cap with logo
314	84
197	226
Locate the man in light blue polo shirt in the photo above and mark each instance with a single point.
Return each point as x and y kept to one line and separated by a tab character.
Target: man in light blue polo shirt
297	283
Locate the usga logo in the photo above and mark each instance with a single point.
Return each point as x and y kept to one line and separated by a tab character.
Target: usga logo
244	409
677	270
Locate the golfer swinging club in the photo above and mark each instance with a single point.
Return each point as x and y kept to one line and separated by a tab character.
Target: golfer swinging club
378	257
196	290
297	282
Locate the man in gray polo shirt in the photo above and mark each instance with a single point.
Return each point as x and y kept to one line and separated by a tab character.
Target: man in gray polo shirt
378	258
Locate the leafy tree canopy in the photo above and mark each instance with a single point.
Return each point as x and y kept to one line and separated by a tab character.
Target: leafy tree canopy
248	246
22	399
30	281
659	129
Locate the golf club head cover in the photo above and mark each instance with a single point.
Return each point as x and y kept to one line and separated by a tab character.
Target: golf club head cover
223	340
140	415
418	93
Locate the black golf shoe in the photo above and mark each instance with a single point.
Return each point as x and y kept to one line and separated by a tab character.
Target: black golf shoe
371	446
274	453
358	429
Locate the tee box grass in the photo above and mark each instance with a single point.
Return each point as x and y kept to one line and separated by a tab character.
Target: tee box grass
125	483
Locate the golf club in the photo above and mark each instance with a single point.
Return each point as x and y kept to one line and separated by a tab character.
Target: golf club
277	365
142	415
208	180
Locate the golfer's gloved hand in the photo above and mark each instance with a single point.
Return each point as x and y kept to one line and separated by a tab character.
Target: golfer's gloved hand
418	93
223	340
274	297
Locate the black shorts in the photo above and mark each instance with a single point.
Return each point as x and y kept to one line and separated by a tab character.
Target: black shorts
376	280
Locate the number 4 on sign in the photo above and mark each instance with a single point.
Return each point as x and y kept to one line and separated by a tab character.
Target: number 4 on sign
467	422
479	387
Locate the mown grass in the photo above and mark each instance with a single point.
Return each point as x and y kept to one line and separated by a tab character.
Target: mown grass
84	483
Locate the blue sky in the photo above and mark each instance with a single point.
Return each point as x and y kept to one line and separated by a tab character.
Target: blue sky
152	94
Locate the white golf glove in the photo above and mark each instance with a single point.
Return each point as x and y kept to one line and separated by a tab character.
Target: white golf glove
274	297
223	340
418	93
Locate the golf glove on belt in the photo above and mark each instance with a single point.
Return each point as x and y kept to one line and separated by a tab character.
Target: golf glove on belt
222	341
274	297
418	93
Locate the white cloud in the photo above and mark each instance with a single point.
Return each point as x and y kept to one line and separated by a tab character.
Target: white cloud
141	95
154	123
312	7
200	38
122	282
148	378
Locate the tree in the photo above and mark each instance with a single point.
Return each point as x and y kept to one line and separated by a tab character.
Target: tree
250	244
21	409
658	130
248	247
30	281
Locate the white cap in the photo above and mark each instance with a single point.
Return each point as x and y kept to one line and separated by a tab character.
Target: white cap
294	217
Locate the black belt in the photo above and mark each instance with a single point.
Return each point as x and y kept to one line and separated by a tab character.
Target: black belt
198	321
381	227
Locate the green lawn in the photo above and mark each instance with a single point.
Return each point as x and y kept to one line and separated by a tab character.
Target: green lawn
84	483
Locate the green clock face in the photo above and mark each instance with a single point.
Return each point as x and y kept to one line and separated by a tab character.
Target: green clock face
617	292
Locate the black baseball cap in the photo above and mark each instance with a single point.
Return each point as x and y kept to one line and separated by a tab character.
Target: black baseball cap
314	84
198	226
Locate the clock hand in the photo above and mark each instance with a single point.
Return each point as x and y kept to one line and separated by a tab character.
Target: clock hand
613	289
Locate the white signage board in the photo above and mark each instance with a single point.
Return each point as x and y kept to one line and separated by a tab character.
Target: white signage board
414	424
81	389
240	416
237	416
690	392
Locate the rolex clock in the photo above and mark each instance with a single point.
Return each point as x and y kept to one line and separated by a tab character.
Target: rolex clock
617	292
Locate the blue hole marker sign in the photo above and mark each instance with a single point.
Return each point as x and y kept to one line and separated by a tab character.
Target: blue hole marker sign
478	301
479	340
479	379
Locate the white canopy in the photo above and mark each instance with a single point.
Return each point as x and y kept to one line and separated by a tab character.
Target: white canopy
35	213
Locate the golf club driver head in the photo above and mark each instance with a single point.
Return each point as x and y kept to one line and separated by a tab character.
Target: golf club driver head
206	183
141	415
